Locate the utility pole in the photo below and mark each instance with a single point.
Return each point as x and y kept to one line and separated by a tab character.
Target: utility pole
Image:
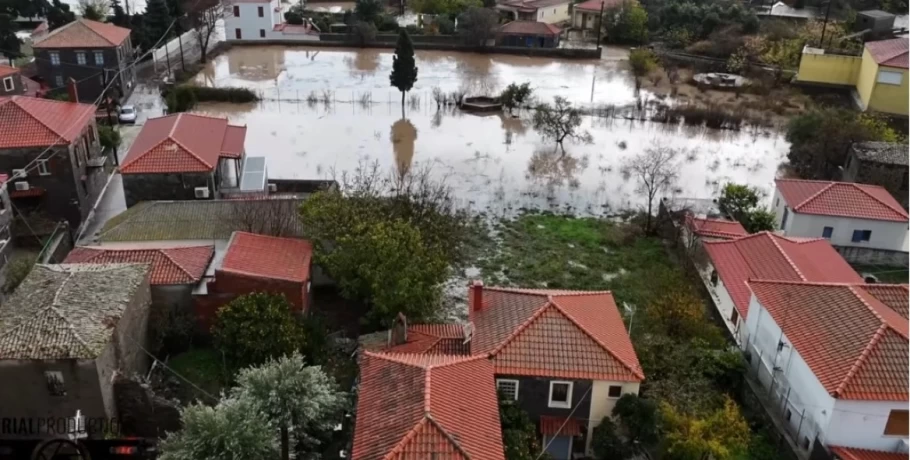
821	43
600	20
182	61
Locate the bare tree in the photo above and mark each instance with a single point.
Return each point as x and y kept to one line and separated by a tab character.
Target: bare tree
477	26
655	169
559	122
203	17
276	216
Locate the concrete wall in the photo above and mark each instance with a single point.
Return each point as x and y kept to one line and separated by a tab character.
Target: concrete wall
890	98
553	14
147	187
862	424
602	404
585	20
831	69
871	256
865	82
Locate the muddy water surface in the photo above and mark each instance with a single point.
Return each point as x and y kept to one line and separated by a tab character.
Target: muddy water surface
495	162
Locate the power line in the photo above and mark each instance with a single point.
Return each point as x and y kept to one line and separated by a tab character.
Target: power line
569	417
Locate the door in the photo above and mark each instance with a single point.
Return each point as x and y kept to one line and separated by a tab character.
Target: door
783	222
559	447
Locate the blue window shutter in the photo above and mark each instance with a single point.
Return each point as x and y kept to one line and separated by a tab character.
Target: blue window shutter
827	232
867	234
857	236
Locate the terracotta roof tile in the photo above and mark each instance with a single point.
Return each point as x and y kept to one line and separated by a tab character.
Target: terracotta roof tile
183	142
265	256
891	53
854	344
851	453
182	265
595	5
562	426
769	256
715	228
433	339
33	122
83	33
894	296
413	406
6	70
529	28
845	199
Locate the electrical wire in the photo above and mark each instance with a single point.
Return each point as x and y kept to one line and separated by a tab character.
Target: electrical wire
569	417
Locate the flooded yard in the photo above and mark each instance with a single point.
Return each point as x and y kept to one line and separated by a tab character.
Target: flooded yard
325	111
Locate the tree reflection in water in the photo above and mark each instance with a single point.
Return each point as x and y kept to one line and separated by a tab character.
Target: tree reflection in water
553	169
403	137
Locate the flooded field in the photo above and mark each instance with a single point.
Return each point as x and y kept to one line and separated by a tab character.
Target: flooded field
325	111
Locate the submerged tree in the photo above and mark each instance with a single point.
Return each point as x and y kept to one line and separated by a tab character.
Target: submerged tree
559	122
515	95
404	68
656	170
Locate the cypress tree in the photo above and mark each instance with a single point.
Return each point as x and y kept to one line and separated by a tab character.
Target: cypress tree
404	68
157	19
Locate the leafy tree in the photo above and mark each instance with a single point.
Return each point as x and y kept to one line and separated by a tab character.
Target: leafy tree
156	21
293	17
368	10
58	15
720	435
761	220
363	33
515	95
559	122
9	43
180	99
642	61
639	419
108	136
519	435
606	443
95	10
445	25
404	68
443	7
119	18
656	171
627	24
302	402
232	430
741	203
477	26
679	314
256	327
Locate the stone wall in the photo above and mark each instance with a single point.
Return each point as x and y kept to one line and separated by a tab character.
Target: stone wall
150	187
872	256
891	177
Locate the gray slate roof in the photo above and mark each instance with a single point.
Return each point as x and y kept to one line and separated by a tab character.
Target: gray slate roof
203	220
67	311
882	152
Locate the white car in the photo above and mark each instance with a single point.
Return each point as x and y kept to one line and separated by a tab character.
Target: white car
127	114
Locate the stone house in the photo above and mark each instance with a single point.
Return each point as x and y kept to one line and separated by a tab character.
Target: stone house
183	156
880	163
65	333
57	144
11	81
91	53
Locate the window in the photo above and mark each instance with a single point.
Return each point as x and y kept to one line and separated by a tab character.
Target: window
8	84
236	11
58	80
714	277
42	168
827	232
508	388
55	57
734	317
560	394
776	202
897	423
861	235
55	383
99	57
261	12
614	391
261	33
80	57
237	34
889	78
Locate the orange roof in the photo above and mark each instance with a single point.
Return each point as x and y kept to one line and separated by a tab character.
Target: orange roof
845	199
769	256
852	453
185	265
853	342
183	142
562	426
595	5
553	333
715	228
271	257
6	70
529	28
891	53
83	33
33	122
433	339
410	404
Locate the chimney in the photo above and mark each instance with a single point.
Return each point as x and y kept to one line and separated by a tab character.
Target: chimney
71	90
475	302
398	333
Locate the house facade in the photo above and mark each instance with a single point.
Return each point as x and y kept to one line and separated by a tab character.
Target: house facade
546	11
56	143
586	15
93	321
864	222
528	34
11	81
182	156
834	358
252	20
880	163
91	53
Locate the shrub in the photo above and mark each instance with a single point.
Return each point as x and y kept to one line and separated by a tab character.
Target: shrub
16	271
413	30
108	137
180	99
362	33
223	94
606	443
255	328
386	23
293	17
445	25
642	61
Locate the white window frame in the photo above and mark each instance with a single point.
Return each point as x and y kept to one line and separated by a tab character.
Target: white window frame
81	59
8	84
560	404
42	168
55	378
55	57
99	57
59	81
512	381
614	397
889	77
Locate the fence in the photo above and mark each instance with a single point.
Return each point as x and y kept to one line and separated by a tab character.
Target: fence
185	49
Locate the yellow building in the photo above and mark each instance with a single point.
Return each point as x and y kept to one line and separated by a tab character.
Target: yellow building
879	78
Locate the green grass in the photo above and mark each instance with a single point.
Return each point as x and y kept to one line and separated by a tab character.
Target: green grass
203	367
884	274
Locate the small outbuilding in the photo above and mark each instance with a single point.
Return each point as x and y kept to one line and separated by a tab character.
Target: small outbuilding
528	34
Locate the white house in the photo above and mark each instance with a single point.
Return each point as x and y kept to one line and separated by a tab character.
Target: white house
834	358
547	11
768	256
864	222
251	20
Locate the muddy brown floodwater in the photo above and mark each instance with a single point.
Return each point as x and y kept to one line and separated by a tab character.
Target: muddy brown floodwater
324	111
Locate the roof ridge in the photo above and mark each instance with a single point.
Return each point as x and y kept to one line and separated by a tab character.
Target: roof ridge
786	256
814	196
854	368
862	188
184	147
87	26
164	252
638	373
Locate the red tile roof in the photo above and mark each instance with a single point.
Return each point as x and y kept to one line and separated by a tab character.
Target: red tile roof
411	405
183	142
433	339
33	122
6	70
896	296
891	53
845	199
83	33
553	333
595	5
851	453
768	256
529	28
562	426
855	345
715	228
271	257
184	265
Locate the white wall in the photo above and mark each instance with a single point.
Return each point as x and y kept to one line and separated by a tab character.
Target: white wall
249	21
862	424
553	14
602	405
721	298
777	207
885	234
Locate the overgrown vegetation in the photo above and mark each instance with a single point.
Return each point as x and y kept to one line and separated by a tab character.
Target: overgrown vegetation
519	434
16	271
642	61
257	327
515	95
741	203
626	24
108	136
